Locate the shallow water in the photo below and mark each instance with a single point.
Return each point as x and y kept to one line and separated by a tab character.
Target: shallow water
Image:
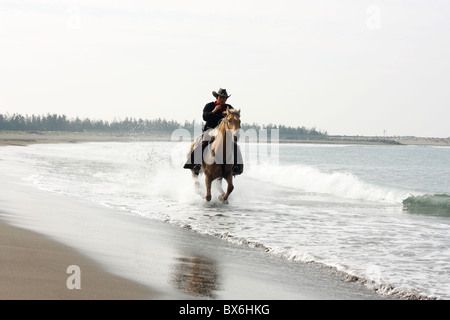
337	205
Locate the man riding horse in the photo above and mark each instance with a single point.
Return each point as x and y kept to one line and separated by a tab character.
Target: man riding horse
213	113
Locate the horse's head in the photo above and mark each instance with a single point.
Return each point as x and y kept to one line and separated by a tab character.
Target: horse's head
232	121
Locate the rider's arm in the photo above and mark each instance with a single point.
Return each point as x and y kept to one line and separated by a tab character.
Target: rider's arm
208	114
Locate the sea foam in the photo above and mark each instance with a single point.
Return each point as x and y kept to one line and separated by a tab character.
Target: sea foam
339	184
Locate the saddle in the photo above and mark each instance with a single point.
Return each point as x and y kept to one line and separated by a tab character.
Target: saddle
194	160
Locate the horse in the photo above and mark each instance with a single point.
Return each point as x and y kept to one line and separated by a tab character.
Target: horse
218	156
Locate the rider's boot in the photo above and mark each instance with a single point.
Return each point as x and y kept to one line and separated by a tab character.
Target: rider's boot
195	163
238	165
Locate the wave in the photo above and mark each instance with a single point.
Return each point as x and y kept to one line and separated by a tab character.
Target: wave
430	204
343	185
369	277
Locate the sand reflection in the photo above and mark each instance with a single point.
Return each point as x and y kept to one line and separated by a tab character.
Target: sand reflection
196	275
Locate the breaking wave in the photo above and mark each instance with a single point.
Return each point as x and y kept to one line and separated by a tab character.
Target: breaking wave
339	184
432	204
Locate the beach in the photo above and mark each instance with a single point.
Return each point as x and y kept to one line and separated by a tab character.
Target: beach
20	138
181	263
43	234
34	266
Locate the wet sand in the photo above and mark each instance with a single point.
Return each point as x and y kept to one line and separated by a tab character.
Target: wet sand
33	266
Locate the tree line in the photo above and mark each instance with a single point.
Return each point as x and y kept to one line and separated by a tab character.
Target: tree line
55	122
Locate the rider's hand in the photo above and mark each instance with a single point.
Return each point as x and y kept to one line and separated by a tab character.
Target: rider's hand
216	109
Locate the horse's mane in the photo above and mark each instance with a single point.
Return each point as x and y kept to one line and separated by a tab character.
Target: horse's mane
231	111
234	111
216	130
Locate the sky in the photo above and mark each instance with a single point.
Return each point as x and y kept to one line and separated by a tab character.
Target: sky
347	67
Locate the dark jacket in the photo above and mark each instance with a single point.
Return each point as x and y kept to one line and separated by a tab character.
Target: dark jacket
212	119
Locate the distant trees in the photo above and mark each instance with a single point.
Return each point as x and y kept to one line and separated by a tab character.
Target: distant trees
287	132
55	122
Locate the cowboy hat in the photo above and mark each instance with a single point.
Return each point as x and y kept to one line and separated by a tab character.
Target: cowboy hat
221	93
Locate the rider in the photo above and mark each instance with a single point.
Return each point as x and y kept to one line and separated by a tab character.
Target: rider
213	112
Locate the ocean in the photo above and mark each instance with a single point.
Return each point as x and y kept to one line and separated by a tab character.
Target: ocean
374	214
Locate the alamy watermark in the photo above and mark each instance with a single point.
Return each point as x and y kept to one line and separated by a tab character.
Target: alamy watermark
74	280
256	146
74	18
373	21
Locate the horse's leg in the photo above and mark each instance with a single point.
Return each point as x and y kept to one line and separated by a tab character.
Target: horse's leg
208	182
194	175
229	180
195	178
219	188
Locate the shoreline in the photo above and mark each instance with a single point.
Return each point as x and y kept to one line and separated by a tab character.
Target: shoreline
22	138
34	266
123	257
126	257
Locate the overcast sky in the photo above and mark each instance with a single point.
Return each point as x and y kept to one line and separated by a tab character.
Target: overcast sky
348	67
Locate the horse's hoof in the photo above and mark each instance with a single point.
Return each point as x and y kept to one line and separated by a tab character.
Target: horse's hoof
223	200
208	198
